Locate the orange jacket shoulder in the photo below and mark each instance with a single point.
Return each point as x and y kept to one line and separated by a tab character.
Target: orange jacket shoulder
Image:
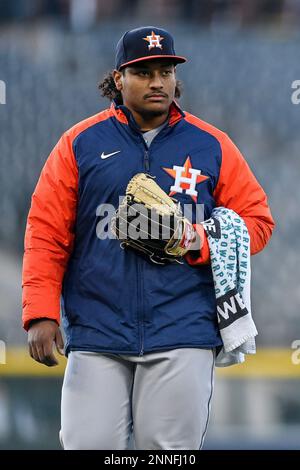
83	125
205	126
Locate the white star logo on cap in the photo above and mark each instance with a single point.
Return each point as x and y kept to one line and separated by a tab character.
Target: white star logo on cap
154	40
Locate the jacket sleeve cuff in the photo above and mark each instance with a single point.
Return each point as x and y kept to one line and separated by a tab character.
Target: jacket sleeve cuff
43	304
28	324
202	255
28	320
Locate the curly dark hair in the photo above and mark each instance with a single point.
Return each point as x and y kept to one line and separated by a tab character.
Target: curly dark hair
108	88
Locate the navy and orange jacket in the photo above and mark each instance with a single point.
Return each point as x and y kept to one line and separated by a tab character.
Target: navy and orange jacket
114	300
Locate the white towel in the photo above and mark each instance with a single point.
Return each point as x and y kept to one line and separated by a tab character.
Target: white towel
229	245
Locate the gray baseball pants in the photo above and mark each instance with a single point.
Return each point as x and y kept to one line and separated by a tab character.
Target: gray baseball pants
163	398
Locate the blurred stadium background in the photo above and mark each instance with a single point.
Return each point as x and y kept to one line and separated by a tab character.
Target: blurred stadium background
243	57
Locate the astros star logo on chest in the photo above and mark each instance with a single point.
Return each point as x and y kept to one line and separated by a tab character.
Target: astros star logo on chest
186	179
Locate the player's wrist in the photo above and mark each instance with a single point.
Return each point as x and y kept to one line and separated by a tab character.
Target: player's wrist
38	320
199	239
182	242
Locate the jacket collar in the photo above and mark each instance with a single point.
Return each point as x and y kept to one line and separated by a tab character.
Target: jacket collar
123	115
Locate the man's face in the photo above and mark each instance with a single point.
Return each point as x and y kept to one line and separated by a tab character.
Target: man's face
148	87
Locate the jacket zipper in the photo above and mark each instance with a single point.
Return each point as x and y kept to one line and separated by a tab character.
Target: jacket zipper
140	266
140	307
146	160
140	275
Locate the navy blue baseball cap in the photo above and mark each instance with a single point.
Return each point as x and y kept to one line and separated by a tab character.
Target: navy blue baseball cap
145	43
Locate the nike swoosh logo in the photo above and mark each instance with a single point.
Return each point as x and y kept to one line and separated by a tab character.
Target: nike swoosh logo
103	156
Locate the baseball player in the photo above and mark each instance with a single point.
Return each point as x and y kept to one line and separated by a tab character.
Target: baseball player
141	337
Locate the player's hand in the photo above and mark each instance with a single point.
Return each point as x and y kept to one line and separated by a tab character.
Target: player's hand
41	336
